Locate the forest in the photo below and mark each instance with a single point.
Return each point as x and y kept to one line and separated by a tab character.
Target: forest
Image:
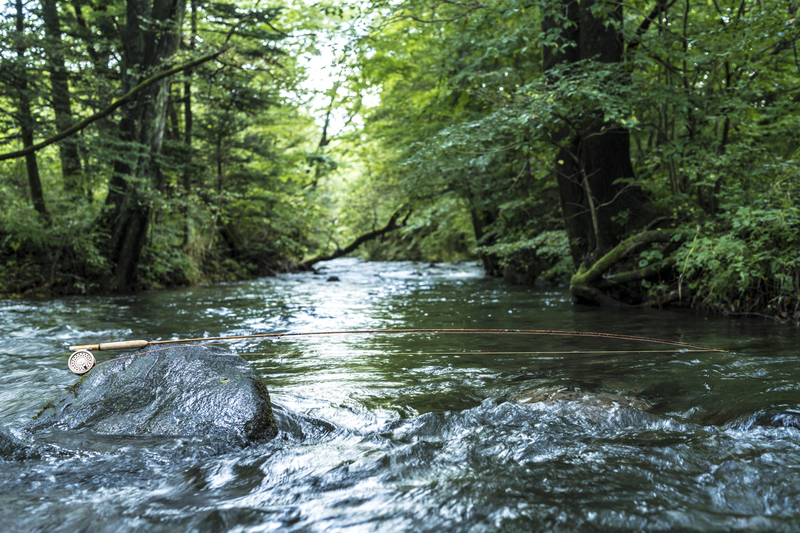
641	152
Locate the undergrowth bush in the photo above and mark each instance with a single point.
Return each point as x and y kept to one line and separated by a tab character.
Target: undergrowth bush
747	261
543	258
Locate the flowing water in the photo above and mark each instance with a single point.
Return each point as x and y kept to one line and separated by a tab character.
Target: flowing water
421	432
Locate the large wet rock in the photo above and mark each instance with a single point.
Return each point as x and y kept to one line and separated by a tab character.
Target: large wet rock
180	391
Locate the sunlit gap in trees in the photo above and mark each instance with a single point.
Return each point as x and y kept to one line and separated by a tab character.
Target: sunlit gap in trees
327	66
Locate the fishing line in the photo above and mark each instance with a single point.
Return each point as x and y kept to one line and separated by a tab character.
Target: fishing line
575	352
82	360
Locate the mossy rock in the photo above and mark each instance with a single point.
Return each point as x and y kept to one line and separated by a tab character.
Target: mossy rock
180	391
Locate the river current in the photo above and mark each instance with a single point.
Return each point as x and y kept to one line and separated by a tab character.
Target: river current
421	432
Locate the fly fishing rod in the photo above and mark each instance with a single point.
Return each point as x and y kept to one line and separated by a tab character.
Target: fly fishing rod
82	360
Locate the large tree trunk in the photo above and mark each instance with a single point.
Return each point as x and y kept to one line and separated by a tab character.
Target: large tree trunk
26	117
595	159
60	97
594	154
152	34
188	127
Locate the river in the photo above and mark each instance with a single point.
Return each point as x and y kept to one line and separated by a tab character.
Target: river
421	432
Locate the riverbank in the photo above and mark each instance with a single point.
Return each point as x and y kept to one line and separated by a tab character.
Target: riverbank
32	274
75	268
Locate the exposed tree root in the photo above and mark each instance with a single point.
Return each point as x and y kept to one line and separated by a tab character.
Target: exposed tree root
590	284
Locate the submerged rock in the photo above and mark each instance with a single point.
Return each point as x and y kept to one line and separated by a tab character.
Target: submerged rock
722	417
606	400
180	391
784	418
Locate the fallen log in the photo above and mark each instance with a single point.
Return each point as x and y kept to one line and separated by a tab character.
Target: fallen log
390	226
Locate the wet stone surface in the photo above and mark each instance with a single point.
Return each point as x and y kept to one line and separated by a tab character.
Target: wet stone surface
599	399
180	391
14	449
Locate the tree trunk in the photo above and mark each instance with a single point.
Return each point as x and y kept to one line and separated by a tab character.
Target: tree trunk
188	128
26	118
491	263
152	35
60	96
594	154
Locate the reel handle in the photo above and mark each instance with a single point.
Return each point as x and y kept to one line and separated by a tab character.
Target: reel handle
124	345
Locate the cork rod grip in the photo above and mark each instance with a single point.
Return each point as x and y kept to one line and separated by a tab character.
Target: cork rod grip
124	345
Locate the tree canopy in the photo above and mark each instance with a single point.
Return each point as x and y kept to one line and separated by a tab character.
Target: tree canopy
642	151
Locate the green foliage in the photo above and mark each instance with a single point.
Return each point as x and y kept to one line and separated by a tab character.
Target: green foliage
37	258
545	257
747	261
708	93
438	83
234	203
440	109
441	231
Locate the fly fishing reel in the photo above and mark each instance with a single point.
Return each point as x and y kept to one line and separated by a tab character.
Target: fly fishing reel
80	362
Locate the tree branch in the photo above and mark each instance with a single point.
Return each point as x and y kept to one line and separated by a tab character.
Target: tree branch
341	252
585	282
113	107
658	10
